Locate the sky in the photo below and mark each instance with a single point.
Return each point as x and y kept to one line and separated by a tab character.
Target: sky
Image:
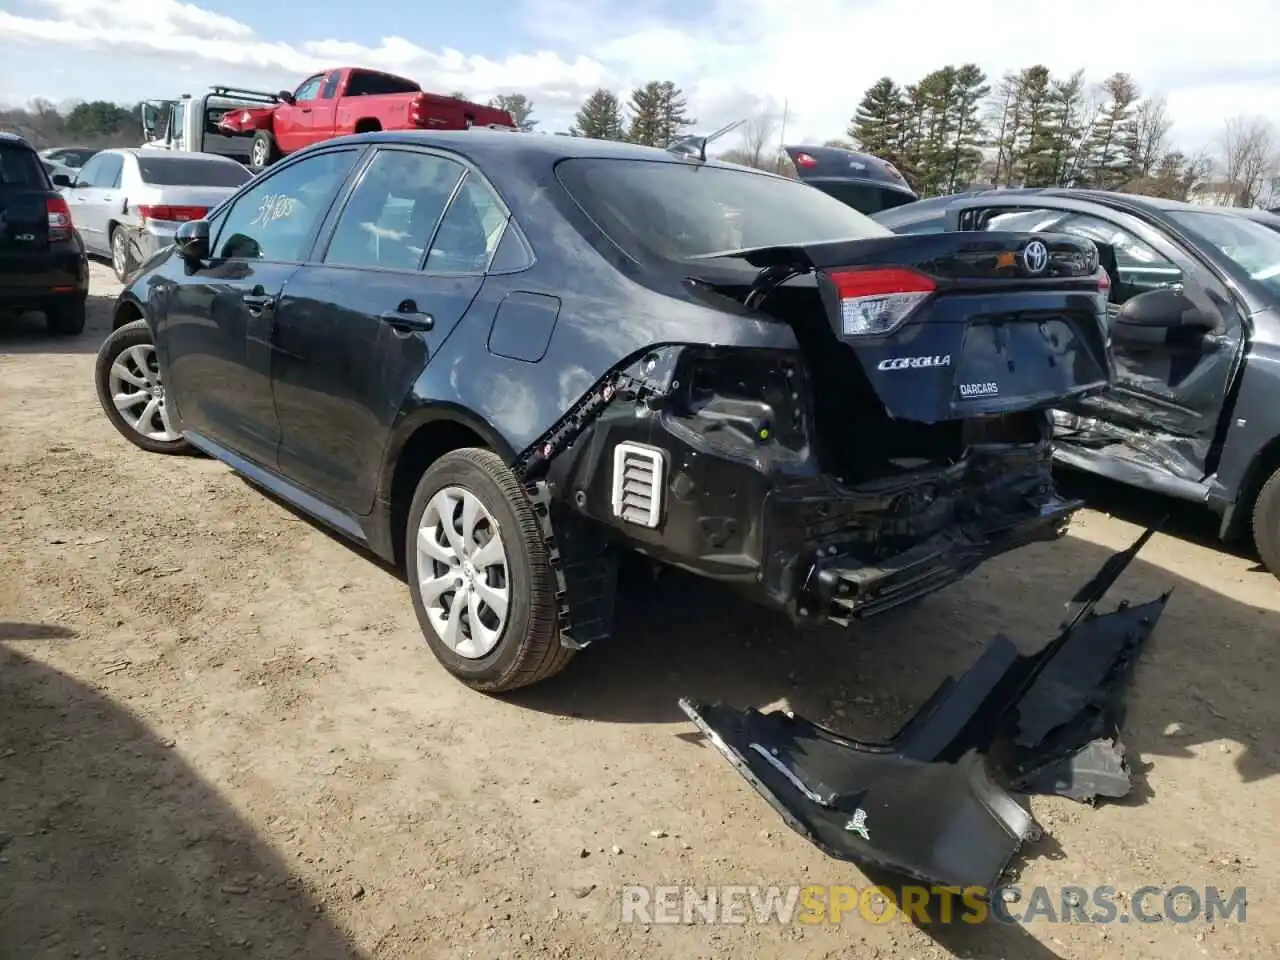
729	56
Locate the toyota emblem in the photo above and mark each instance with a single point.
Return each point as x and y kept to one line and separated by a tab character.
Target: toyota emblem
1035	257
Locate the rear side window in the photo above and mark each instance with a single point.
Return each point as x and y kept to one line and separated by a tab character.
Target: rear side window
20	167
393	212
362	84
676	211
183	172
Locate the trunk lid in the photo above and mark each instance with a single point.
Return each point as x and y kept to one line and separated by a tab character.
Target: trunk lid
859	180
942	326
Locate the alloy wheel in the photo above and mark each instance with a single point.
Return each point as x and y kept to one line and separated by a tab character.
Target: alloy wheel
463	572
138	394
117	253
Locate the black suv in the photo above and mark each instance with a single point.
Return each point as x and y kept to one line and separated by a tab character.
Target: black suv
503	362
42	260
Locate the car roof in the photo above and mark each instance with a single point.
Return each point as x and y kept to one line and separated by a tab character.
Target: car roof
169	154
13	138
496	146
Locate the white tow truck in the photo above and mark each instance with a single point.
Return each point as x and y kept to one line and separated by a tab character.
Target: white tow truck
190	124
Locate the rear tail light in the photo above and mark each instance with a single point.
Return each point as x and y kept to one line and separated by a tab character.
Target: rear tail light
804	160
60	225
418	111
877	300
171	213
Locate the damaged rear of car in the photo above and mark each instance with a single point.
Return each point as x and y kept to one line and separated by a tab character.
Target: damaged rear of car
902	440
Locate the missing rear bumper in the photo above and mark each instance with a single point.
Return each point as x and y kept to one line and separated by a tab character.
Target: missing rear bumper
932	803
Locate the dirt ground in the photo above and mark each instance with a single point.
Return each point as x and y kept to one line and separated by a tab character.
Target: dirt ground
221	736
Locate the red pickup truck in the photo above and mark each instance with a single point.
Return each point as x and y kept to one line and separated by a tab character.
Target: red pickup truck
350	100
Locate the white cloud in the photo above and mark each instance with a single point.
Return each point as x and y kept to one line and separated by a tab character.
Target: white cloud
818	56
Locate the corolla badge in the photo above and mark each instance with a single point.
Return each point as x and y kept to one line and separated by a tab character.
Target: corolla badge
1035	257
913	363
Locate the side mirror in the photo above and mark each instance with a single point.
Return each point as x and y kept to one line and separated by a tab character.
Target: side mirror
192	240
61	180
1164	309
286	97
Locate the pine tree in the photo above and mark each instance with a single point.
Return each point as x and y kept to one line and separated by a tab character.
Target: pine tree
877	125
519	106
658	113
600	117
1066	121
646	108
1110	159
968	134
1035	146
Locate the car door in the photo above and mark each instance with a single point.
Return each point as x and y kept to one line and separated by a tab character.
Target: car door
94	196
219	316
1171	374
402	260
292	121
324	109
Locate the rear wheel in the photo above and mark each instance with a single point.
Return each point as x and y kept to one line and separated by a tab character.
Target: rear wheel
131	391
264	151
1266	523
479	574
66	318
122	259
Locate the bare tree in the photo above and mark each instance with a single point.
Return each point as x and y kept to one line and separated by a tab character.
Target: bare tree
1249	157
758	134
1151	125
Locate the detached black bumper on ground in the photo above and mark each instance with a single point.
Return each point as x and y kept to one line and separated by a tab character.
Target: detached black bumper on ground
931	803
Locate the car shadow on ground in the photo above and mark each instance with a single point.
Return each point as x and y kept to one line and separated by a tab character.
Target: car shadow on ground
686	638
112	845
26	333
1181	519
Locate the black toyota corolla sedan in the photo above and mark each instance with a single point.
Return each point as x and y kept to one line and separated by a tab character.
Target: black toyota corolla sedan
502	361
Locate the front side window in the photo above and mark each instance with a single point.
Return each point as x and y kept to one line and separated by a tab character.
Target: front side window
309	89
393	212
91	174
677	211
1253	247
276	218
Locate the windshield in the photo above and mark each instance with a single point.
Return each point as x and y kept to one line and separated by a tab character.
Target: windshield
190	172
1255	249
677	211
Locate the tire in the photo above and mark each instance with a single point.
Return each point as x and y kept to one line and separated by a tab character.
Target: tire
120	371
66	318
264	151
527	647
1266	523
123	262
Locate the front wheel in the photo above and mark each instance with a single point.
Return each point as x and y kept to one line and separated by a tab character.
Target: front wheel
1266	523
132	393
480	576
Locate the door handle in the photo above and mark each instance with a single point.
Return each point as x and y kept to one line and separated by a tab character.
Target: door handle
258	300
407	318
